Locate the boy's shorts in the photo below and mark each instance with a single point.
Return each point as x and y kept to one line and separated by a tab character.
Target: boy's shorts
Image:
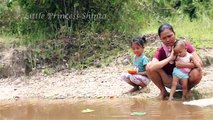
177	72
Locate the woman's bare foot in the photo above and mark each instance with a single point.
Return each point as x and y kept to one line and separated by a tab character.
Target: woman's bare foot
162	95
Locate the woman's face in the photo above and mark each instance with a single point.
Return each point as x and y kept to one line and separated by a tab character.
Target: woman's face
167	37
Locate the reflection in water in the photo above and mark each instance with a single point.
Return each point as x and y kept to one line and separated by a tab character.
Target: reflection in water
104	109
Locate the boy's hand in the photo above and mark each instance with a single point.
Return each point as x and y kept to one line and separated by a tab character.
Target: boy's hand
179	64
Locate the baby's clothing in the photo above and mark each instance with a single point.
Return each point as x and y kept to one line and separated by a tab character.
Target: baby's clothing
183	72
181	75
162	53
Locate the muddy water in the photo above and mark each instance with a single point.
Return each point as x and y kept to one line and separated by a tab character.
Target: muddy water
104	109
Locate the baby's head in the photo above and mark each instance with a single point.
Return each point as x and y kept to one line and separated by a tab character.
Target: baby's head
137	45
180	48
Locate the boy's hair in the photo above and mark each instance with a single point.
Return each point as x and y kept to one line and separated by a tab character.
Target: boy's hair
139	41
180	42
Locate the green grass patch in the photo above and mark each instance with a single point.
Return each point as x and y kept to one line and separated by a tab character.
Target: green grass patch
9	41
199	31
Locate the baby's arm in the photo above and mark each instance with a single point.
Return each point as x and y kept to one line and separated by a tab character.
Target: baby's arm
180	64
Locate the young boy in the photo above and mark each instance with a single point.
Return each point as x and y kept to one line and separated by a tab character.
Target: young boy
181	74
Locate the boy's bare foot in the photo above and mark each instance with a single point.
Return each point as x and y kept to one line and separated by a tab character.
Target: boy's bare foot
170	98
188	94
183	98
162	95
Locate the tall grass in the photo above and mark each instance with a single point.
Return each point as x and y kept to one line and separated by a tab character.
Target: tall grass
100	41
199	31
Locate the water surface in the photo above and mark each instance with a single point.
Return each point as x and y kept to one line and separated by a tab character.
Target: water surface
104	109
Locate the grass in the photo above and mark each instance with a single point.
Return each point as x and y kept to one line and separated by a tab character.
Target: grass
107	45
9	40
198	31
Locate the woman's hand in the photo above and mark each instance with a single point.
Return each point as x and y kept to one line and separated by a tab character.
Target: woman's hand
172	56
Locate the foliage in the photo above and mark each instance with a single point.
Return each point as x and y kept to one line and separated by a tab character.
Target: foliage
73	14
94	49
84	33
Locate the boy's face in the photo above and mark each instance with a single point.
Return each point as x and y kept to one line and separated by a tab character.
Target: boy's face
180	51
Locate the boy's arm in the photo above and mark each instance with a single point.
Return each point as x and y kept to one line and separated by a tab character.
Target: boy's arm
180	64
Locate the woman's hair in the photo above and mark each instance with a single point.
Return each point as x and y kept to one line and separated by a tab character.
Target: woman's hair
139	41
165	26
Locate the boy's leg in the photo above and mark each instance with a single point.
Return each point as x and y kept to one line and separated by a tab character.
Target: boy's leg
184	82
173	89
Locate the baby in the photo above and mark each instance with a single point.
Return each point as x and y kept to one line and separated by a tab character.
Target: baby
181	74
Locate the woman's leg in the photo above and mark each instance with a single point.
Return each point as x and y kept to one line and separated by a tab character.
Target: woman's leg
195	77
166	79
159	78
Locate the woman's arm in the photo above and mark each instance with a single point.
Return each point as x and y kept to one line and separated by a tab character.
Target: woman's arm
155	64
197	58
197	64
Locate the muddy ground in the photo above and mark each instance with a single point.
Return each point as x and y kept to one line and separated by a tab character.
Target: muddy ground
88	83
103	82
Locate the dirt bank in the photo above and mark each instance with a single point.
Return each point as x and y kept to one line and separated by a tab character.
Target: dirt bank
91	82
88	83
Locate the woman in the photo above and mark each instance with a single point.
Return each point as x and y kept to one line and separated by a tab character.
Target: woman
160	68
